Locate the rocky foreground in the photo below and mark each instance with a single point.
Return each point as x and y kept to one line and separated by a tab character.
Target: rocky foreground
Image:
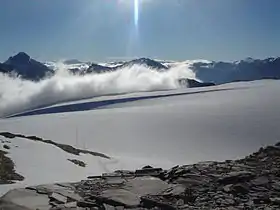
249	183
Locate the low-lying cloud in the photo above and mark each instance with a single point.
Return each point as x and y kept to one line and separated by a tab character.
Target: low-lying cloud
17	95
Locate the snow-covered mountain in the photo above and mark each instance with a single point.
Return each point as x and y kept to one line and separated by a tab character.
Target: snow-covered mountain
243	70
205	71
150	63
101	68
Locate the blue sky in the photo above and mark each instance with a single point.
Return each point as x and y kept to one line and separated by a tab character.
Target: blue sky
102	30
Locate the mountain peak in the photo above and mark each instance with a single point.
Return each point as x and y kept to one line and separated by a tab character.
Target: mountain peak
21	57
26	67
145	61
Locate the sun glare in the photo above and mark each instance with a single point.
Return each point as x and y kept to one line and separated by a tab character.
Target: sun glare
136	12
134	4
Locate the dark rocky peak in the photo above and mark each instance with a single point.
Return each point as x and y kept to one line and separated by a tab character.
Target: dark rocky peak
21	58
26	67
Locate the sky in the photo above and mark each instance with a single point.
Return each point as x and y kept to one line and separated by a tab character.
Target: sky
106	30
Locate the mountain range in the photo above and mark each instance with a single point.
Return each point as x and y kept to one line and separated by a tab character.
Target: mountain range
207	71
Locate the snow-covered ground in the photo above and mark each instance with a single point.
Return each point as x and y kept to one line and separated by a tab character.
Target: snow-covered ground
162	129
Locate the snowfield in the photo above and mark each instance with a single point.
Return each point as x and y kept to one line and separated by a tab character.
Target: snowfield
163	129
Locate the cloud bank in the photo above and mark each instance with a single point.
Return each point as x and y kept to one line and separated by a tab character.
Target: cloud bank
17	95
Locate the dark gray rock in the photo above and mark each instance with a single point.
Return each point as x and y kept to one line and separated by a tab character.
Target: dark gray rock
262	180
120	197
77	162
149	171
261	199
58	198
191	83
5	146
275	201
242	188
24	199
235	177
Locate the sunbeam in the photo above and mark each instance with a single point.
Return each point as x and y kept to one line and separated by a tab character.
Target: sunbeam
136	12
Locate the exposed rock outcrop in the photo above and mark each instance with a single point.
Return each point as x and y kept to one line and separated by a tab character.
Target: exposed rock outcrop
8	174
78	162
191	83
67	148
249	183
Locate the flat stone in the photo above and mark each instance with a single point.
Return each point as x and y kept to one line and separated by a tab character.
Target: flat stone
86	204
263	180
120	197
227	188
179	171
276	186
58	198
71	195
180	202
264	199
148	171
115	181
149	202
26	199
70	205
275	201
189	182
175	190
228	202
67	206
113	174
146	185
235	177
66	185
240	188
109	207
130	192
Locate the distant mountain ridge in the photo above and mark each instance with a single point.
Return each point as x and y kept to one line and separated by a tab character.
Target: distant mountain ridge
243	70
98	68
206	71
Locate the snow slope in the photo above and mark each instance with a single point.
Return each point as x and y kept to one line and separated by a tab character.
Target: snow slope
162	129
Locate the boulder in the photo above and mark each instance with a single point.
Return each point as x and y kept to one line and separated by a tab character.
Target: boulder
236	177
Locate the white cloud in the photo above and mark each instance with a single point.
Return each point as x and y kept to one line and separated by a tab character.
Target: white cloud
17	95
